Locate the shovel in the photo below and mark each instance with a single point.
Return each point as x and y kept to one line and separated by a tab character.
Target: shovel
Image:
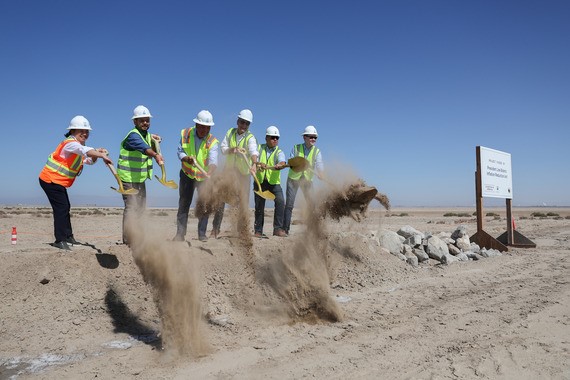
163	180
298	164
121	189
202	170
263	194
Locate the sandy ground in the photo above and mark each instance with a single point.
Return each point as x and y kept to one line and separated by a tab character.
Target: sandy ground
258	308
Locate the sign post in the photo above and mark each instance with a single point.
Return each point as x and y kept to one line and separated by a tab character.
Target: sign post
493	178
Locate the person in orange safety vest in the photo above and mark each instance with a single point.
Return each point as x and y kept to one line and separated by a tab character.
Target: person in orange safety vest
59	173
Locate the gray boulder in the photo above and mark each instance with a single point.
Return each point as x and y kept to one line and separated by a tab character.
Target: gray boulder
409	231
448	259
453	249
436	248
420	254
414	240
412	260
459	232
391	241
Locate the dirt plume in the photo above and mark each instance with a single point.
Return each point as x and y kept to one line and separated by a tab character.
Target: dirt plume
302	276
173	274
351	199
225	187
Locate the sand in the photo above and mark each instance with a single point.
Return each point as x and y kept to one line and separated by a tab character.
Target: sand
296	307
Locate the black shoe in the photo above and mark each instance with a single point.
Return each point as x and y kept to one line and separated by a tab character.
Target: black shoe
61	245
71	240
203	238
178	238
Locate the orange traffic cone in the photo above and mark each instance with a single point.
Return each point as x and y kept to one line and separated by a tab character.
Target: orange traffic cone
14	235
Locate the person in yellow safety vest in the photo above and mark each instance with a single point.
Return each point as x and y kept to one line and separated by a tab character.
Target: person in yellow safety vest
271	161
135	165
198	149
304	179
236	139
60	171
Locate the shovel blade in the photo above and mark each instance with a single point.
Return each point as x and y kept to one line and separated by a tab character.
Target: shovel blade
171	184
166	183
298	164
266	194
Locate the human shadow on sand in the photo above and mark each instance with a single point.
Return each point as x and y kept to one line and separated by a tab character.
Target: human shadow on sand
125	321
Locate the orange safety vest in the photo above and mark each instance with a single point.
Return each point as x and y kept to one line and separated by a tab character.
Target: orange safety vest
189	146
62	170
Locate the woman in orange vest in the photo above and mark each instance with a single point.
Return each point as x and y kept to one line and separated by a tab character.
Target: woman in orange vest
59	173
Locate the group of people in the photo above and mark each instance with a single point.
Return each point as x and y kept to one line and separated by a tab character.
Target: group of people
198	152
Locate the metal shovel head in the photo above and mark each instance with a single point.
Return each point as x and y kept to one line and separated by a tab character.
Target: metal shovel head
126	191
163	180
298	164
169	183
265	194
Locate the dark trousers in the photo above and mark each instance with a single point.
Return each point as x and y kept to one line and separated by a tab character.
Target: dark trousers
135	204
186	193
292	188
61	207
219	214
260	207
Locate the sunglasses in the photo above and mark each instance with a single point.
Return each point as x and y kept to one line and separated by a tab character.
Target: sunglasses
311	137
273	137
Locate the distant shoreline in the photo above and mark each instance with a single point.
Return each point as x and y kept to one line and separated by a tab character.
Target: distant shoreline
399	208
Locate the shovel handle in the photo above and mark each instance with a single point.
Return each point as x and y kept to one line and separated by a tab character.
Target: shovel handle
112	168
202	170
117	178
254	176
157	145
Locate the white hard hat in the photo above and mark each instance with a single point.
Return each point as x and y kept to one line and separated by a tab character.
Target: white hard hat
246	115
141	111
79	122
272	131
310	130
204	117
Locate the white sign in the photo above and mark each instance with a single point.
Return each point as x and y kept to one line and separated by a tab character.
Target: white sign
496	174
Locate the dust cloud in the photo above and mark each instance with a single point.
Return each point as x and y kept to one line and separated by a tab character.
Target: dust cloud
175	280
302	276
225	187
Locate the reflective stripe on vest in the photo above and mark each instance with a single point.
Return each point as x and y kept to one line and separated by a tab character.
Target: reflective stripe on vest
311	157
188	139
236	160
134	166
62	171
273	176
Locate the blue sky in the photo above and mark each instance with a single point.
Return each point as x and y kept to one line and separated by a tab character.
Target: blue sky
401	92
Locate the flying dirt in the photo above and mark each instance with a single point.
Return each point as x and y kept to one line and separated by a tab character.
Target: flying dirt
299	278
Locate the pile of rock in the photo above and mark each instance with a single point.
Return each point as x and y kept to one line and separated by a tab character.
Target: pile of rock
414	246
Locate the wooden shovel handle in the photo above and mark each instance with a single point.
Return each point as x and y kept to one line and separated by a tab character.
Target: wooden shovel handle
112	168
156	145
202	170
254	177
